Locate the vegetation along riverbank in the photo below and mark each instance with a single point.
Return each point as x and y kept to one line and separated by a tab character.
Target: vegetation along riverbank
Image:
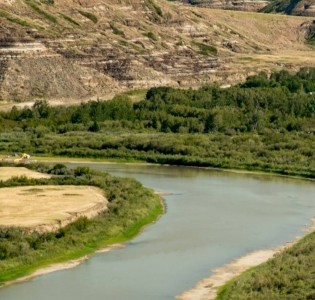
288	275
130	208
266	124
220	285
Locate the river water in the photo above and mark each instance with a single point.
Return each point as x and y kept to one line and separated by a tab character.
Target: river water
212	218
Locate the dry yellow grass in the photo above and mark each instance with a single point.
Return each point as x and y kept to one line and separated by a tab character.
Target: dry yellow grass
8	172
157	47
46	208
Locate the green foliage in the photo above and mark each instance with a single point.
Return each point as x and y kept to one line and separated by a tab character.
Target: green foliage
311	33
290	275
131	206
116	30
205	49
157	11
197	2
59	169
82	171
16	20
81	224
95	127
41	109
135	95
150	35
89	16
302	81
41	12
69	19
281	6
267	123
49	2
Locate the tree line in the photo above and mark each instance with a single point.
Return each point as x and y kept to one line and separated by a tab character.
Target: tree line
279	101
266	123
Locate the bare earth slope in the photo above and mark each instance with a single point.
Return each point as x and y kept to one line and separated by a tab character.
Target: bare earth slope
76	50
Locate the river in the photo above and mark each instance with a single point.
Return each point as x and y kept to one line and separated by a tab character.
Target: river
212	218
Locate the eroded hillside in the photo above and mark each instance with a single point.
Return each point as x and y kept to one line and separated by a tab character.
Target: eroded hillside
81	49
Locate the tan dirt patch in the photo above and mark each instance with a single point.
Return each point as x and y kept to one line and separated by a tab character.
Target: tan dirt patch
47	208
8	172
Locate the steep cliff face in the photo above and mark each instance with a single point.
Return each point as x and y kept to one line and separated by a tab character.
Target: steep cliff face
81	49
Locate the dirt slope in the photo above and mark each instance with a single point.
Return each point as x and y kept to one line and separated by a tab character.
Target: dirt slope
74	50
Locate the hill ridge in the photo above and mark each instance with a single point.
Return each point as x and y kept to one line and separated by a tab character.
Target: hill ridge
76	50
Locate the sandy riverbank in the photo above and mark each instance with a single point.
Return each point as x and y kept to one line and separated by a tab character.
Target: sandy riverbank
59	266
206	289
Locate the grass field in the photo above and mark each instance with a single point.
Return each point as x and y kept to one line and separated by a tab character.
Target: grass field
45	207
8	172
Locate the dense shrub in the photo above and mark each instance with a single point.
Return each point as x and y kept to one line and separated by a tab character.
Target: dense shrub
131	206
251	125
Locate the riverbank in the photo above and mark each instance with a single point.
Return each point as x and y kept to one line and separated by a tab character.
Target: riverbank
71	245
67	159
200	196
75	160
237	267
81	255
60	266
206	285
207	289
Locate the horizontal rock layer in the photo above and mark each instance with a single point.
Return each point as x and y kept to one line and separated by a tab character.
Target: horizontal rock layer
75	50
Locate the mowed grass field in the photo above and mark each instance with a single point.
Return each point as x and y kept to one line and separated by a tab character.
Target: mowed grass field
9	172
49	207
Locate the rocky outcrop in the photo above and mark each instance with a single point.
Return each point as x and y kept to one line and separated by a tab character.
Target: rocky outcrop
291	7
242	5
